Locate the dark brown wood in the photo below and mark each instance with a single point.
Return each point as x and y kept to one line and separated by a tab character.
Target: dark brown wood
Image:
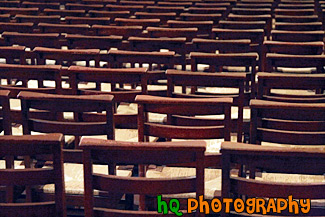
189	33
140	153
272	81
224	80
57	104
286	161
31	146
304	123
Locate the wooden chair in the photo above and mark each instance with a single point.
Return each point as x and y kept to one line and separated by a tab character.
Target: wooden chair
216	63
212	4
125	31
13	146
64	13
204	27
266	18
201	17
209	10
123	76
296	48
131	8
14	11
251	11
164	17
297	36
222	46
294	12
165	9
37	19
176	4
298	62
255	35
32	40
156	32
54	121
140	153
287	123
137	22
5	120
225	24
69	56
86	7
182	122
83	29
93	42
13	53
144	3
16	27
6	3
88	20
296	19
5	18
116	58
313	26
279	164
269	83
178	45
204	80
111	14
40	5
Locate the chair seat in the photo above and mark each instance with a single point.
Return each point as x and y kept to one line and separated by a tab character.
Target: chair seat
74	178
212	180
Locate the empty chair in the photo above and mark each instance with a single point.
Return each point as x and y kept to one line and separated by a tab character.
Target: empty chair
156	44
137	22
204	27
165	9
125	31
296	19
32	40
37	19
288	173
176	4
294	12
189	33
208	80
64	13
113	77
5	120
297	62
287	123
5	18
297	36
31	146
216	63
27	73
313	26
88	20
92	42
69	56
12	54
40	5
208	10
186	119
291	87
132	2
6	3
140	153
299	48
110	14
251	11
131	8
264	17
54	120
13	11
116	58
86	7
222	46
83	29
201	17
164	17
16	27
